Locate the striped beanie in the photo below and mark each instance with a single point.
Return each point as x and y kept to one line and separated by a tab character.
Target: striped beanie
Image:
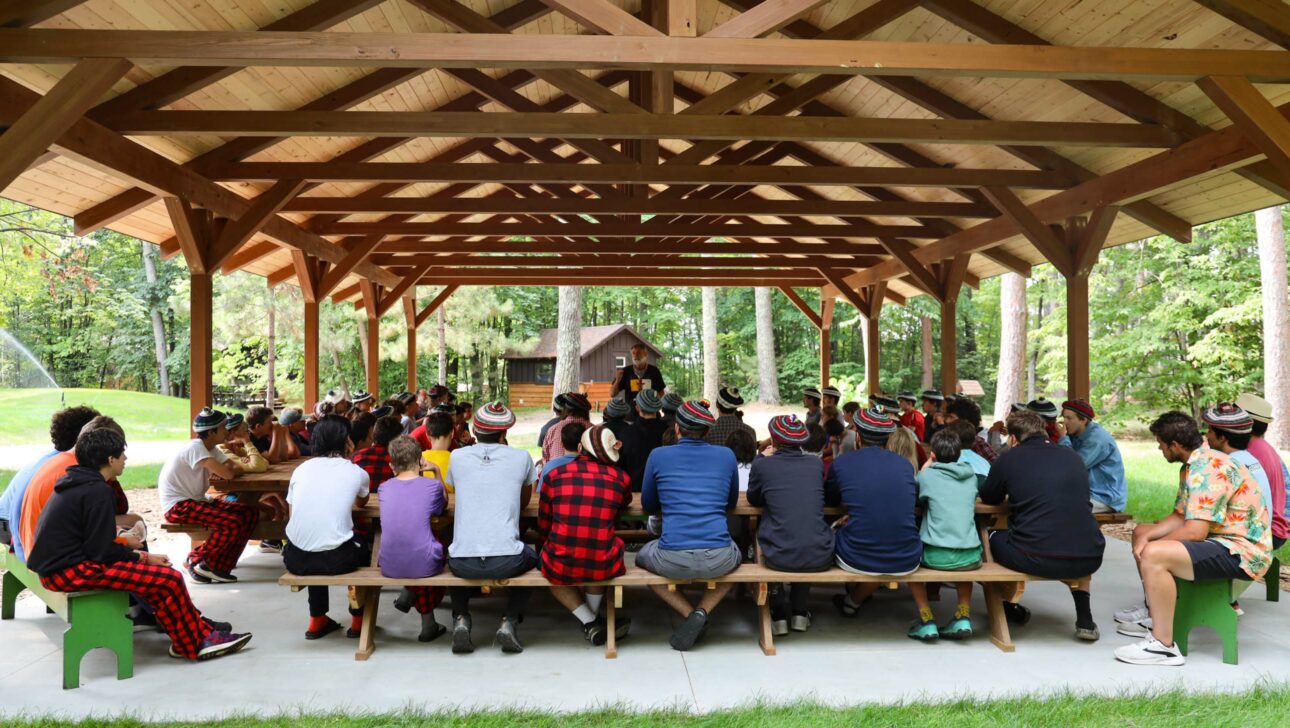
208	419
833	392
788	430
445	408
888	404
598	441
383	411
1043	408
361	396
671	402
694	415
577	401
907	396
875	423
728	398
1229	418
234	420
437	390
559	402
617	407
1017	407
1079	407
405	397
494	417
649	401
811	392
933	395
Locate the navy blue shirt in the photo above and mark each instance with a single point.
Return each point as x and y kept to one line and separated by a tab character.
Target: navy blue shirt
693	484
878	489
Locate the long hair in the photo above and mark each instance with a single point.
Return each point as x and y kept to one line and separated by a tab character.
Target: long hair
902	443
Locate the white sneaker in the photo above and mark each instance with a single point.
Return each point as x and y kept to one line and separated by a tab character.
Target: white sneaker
1150	652
1135	613
1140	628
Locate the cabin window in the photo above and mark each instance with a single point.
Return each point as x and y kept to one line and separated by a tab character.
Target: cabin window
545	373
620	361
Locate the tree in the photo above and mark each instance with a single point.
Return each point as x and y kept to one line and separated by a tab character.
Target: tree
1276	322
442	322
925	332
158	326
711	365
767	366
271	367
1012	342
568	346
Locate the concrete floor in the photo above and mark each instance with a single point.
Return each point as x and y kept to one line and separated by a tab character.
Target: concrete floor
839	661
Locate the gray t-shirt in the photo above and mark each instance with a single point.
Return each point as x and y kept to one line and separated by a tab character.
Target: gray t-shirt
487	479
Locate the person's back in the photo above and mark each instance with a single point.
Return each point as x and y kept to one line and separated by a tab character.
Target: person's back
1049	514
947	493
488	480
647	436
578	512
39	490
409	548
693	483
793	533
877	488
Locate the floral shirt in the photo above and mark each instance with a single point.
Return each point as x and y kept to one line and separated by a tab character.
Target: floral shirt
1212	487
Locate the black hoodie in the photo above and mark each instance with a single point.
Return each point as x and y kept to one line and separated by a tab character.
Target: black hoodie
78	525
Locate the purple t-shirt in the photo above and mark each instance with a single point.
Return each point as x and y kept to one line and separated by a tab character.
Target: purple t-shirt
409	549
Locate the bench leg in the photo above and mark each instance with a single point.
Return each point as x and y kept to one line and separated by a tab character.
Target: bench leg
98	622
371	598
611	623
999	634
13	586
766	638
1272	580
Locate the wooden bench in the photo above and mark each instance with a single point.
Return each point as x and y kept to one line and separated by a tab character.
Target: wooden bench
94	619
264	530
369	581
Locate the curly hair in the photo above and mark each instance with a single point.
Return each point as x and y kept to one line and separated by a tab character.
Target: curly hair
66	425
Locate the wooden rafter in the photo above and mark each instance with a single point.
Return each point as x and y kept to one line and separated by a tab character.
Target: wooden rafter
1045	240
766	17
355	253
575	247
646	260
1268	18
619	278
388	299
263	208
193	233
24	13
803	306
604	16
631	230
1254	115
434	304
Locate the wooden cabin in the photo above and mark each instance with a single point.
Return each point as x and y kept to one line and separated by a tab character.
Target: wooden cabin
531	371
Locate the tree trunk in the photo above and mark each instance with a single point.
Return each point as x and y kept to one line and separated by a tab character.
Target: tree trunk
1032	373
1012	342
768	375
158	326
362	341
270	390
1276	323
711	375
568	344
443	347
929	373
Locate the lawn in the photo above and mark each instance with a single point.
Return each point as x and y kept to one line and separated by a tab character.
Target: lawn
136	476
1263	705
143	416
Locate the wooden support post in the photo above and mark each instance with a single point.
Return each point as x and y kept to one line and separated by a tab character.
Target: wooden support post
201	333
826	326
952	274
309	273
410	315
371	302
1085	239
873	346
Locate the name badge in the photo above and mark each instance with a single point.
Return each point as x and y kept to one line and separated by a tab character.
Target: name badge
636	385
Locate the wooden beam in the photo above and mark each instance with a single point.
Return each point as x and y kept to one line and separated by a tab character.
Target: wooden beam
609	271
766	17
826	330
201	338
902	251
1267	18
837	279
567	247
435	303
248	255
410	316
1254	115
682	18
545	51
308	274
263	208
193	228
603	16
873	348
634	260
629	230
630	173
803	306
311	342
25	13
1040	235
622	280
640	126
387	300
372	346
357	252
28	138
746	205
1092	237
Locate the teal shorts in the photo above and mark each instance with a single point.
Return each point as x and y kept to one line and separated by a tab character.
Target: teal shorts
945	559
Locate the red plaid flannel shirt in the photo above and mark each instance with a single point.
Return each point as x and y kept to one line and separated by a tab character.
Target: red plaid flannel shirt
375	461
577	511
982	448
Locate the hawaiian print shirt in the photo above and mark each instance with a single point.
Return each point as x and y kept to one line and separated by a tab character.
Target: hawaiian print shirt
1215	488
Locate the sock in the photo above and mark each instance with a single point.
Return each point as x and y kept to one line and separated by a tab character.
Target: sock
1083	613
925	614
584	614
594	600
356	622
847	600
962	611
317	623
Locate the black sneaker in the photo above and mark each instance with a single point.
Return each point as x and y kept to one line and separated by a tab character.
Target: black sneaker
1015	613
317	634
213	575
145	621
271	547
461	644
509	638
596	631
218	644
403	602
622	626
216	625
688	633
197	576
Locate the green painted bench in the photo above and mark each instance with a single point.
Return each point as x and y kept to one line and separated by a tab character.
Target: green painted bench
94	619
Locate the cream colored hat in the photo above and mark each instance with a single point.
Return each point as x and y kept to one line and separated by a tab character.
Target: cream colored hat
1259	409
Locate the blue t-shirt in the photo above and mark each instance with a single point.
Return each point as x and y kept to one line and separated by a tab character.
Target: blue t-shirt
878	489
11	499
693	484
980	466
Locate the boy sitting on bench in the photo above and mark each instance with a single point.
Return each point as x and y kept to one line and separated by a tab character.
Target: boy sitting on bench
409	549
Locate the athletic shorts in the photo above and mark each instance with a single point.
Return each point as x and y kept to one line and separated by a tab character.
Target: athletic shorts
1211	560
689	563
1006	554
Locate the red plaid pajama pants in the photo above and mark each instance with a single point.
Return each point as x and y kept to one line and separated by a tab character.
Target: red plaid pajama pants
425	598
230	525
161	586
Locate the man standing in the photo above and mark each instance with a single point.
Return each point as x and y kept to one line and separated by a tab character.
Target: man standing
693	484
492	482
728	404
909	415
630	380
1107	488
1217	531
1261	412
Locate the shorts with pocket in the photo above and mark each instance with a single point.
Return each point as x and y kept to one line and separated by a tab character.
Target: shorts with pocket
1210	559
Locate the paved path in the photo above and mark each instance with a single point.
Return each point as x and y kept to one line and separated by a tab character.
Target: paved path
840	661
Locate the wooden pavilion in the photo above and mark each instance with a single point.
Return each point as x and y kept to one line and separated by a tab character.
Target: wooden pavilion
871	149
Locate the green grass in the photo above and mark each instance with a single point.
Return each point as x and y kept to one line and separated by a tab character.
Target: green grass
1263	705
143	416
136	476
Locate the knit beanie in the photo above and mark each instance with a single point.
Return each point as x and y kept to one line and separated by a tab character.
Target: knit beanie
598	441
1043	408
649	401
1258	408
234	420
671	402
833	392
694	415
728	398
788	430
494	417
577	401
1079	407
811	392
888	404
361	396
208	419
1229	418
383	411
933	395
617	407
875	422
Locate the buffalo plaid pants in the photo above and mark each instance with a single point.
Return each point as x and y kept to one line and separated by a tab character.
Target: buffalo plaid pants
161	586
425	598
230	525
